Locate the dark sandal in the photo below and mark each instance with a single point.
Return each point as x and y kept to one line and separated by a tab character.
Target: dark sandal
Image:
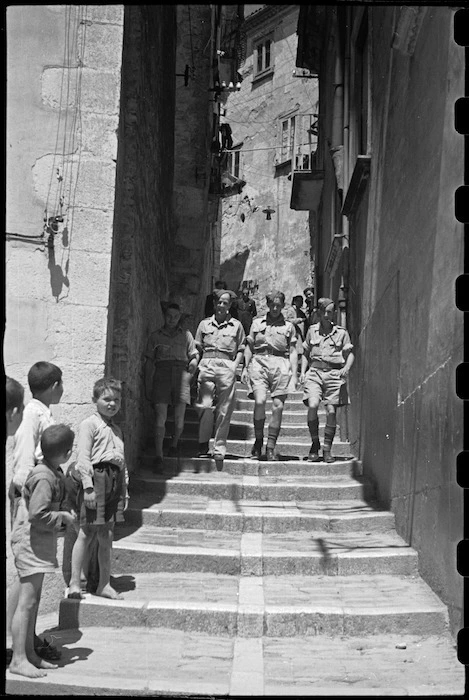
76	595
48	651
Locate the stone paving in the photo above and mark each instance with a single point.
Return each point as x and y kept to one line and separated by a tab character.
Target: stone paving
162	662
267	579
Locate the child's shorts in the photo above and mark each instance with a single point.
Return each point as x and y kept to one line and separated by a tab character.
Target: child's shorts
325	385
108	484
269	372
171	383
34	549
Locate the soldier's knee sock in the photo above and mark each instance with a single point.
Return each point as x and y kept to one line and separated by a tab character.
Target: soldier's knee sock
259	429
272	435
313	426
159	437
329	432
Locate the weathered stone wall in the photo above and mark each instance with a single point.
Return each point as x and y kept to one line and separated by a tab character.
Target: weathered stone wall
275	253
63	66
407	420
191	240
143	223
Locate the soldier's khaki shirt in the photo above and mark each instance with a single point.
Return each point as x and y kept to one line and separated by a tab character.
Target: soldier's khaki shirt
328	348
227	336
270	334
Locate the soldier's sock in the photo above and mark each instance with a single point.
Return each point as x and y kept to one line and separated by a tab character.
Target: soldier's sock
313	426
272	435
159	438
259	429
329	432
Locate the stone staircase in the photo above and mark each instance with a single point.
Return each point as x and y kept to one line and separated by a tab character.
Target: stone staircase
269	578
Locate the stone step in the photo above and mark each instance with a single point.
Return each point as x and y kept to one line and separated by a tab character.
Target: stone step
242	393
269	606
244	430
201	512
220	485
286	448
159	549
250	467
242	403
166	662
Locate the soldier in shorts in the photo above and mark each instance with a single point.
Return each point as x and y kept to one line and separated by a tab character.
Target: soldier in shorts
270	363
328	352
220	339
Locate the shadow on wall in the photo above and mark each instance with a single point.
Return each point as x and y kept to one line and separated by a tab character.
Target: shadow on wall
232	270
57	277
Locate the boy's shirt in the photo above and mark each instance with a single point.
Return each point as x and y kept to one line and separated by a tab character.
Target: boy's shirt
99	440
27	450
45	496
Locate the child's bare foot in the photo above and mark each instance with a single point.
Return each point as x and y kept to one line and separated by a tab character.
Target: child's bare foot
25	668
75	593
40	663
109	592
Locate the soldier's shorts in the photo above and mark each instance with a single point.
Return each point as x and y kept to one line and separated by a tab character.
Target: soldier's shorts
269	372
325	385
171	383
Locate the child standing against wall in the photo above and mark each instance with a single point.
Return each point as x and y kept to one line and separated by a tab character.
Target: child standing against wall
102	495
14	400
41	513
46	386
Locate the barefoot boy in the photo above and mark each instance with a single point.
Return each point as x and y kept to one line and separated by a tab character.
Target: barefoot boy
45	384
41	514
103	495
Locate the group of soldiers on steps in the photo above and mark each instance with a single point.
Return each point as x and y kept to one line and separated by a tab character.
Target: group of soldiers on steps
267	351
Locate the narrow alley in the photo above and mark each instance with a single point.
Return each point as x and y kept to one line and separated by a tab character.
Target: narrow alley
268	579
215	212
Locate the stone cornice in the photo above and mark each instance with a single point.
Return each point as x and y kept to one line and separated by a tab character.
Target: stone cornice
264	15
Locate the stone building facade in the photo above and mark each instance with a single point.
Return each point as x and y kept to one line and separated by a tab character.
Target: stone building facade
112	194
259	250
388	251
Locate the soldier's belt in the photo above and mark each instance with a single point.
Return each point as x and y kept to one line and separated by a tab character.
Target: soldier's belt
321	364
270	351
217	353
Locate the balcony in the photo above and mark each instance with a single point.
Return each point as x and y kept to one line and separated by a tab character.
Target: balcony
307	166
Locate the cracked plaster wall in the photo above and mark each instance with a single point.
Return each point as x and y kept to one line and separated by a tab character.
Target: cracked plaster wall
406	252
62	115
275	252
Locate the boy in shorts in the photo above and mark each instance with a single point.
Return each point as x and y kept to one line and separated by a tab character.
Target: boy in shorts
102	496
270	363
46	386
171	362
328	352
42	511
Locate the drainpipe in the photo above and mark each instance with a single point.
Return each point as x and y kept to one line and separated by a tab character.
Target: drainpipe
338	105
346	127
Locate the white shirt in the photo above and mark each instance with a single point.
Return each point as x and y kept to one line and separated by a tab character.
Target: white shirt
27	451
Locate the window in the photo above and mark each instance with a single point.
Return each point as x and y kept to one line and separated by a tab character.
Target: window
287	139
263	59
232	164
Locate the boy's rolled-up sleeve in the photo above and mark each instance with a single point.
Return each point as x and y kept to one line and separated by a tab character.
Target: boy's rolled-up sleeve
24	457
84	465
